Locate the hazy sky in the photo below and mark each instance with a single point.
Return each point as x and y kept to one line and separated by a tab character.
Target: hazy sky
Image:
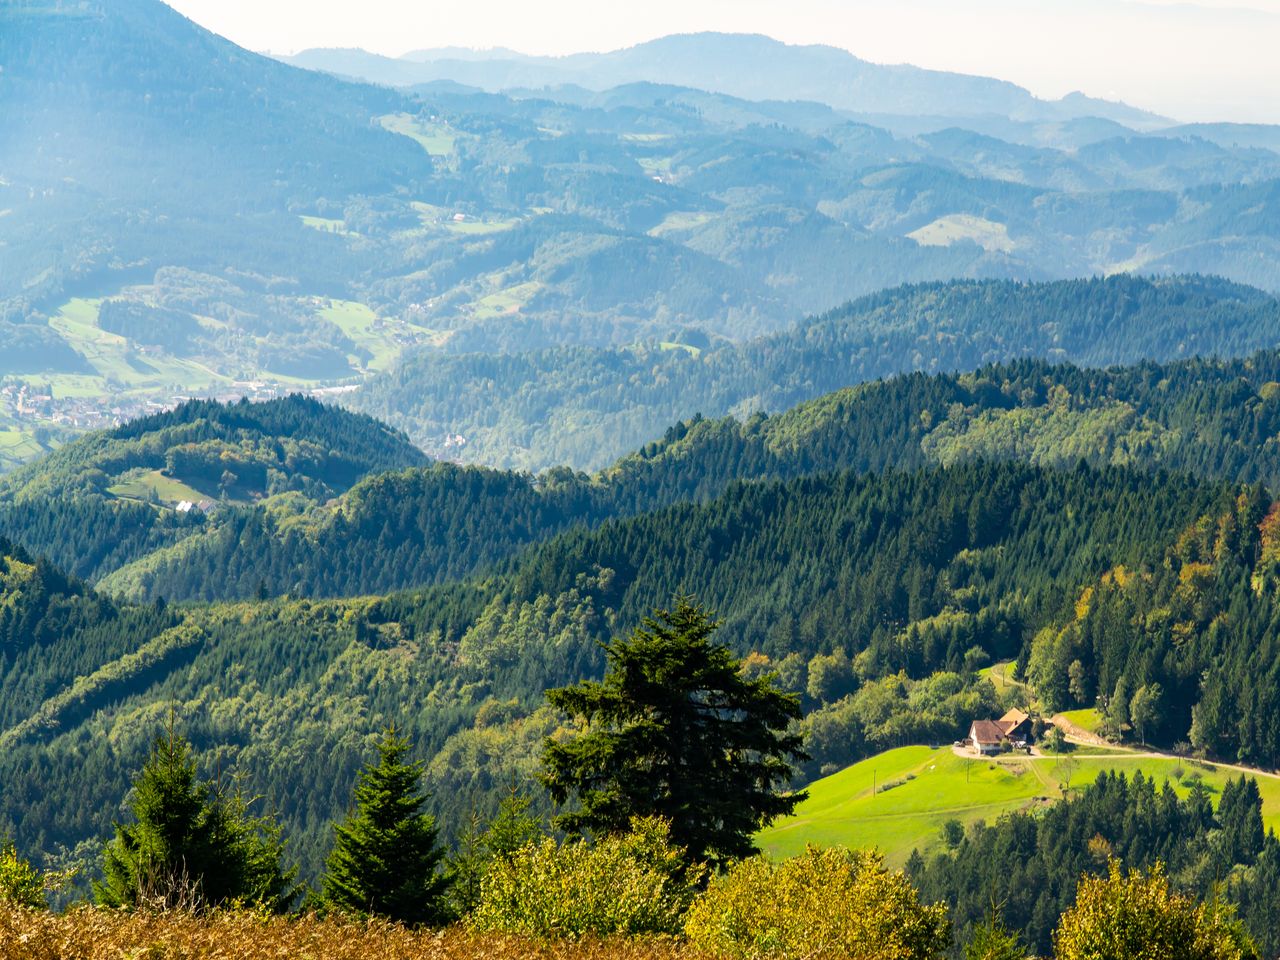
1203	60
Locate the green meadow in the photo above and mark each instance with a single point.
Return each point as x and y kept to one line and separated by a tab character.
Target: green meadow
918	789
148	484
435	138
118	364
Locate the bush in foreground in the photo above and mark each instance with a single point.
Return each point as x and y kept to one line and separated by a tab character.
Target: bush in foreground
1137	917
20	883
823	904
633	884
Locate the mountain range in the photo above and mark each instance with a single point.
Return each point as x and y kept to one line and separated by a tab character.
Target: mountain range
746	66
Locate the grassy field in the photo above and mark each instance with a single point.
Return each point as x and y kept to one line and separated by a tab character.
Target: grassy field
16	447
437	139
141	484
927	787
115	359
506	301
1086	719
991	236
480	228
681	221
324	224
667	346
385	338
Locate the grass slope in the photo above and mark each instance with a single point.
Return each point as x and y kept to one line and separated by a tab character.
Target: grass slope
926	787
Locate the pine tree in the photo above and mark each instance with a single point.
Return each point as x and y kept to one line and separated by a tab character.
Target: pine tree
190	845
385	854
676	731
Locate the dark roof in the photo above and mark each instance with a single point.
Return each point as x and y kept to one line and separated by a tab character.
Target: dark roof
987	731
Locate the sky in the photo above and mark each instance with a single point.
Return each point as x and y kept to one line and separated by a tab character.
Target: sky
1195	61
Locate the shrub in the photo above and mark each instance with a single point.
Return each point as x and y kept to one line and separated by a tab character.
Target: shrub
636	883
20	883
822	904
1137	917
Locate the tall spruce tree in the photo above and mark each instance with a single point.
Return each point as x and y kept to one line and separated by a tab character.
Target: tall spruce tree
675	730
385	854
191	845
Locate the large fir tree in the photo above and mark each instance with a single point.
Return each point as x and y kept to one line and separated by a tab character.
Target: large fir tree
675	730
191	845
385	854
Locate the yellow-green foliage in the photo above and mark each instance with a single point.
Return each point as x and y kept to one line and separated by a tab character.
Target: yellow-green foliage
92	934
627	885
1137	917
823	904
20	883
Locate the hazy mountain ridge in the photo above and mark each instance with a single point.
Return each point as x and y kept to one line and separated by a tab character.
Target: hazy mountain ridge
748	66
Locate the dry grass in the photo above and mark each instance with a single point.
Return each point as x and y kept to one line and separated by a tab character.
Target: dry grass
91	934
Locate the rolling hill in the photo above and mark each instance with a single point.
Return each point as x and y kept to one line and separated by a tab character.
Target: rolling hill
115	496
584	407
292	692
404	524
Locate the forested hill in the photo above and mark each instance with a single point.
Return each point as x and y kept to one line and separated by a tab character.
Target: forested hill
899	571
113	496
422	525
584	407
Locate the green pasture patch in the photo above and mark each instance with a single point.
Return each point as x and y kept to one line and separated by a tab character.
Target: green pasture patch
324	224
668	346
438	139
146	485
383	337
682	221
954	228
1086	719
507	301
918	789
480	228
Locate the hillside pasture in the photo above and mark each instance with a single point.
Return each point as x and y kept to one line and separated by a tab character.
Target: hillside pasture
918	789
145	485
960	227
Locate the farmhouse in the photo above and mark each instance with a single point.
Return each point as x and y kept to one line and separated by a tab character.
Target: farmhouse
985	736
989	736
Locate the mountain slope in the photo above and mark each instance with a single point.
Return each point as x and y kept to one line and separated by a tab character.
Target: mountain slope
585	407
1212	419
112	108
292	693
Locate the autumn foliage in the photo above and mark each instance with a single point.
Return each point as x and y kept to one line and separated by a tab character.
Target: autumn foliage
94	934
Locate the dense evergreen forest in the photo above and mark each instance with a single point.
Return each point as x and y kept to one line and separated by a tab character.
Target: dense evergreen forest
1029	864
290	526
832	580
